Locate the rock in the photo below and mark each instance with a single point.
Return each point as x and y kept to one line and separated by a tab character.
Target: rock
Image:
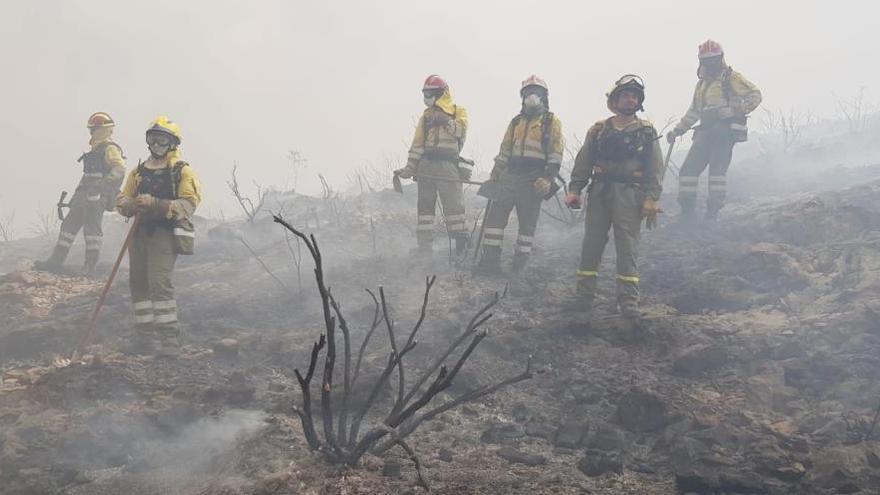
515	456
539	429
445	455
839	468
391	468
698	360
225	348
640	410
570	434
790	473
503	433
596	463
606	437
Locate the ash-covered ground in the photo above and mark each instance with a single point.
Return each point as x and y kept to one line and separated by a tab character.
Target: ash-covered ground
756	369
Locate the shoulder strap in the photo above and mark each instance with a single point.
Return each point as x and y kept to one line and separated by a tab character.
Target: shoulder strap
512	126
726	83
176	176
546	129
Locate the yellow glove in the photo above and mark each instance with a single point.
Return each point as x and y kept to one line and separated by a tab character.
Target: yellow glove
650	210
542	186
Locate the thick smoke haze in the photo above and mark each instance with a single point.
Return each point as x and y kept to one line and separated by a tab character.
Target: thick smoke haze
340	81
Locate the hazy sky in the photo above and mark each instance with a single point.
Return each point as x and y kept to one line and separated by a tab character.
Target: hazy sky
340	81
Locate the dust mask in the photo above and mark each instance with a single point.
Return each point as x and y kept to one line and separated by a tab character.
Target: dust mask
430	100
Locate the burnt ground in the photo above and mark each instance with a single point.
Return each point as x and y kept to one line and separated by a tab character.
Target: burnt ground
754	371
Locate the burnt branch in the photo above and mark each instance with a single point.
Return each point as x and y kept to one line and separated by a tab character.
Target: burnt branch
342	441
305	414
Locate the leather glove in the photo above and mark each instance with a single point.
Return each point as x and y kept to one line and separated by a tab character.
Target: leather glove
670	137
403	173
145	203
465	173
573	201
542	186
650	210
126	207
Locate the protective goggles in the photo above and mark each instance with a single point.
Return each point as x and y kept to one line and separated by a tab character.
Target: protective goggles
630	80
159	138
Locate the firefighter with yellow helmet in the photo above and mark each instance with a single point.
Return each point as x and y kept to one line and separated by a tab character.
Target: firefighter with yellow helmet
103	171
525	169
722	101
163	192
621	165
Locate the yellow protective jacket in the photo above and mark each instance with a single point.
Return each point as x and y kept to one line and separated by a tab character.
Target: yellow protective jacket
440	133
644	166
728	93
531	142
189	190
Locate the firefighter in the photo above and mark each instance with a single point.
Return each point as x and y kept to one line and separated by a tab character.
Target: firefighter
525	169
722	101
103	171
622	163
164	193
435	151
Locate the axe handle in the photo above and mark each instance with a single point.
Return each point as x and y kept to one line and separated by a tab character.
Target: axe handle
447	179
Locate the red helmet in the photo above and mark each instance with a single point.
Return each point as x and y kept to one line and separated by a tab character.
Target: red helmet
710	49
434	82
533	80
100	119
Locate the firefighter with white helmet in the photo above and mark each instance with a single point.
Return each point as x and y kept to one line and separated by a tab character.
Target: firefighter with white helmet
525	168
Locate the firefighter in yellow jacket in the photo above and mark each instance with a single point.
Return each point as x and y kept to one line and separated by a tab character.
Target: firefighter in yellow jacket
722	101
435	151
164	193
525	169
103	170
623	165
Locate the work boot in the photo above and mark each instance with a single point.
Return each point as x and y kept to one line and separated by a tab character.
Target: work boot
629	308
461	245
519	262
54	263
169	342
712	212
490	263
423	252
143	343
88	269
584	297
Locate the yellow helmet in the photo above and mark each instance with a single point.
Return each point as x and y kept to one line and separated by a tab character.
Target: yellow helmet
165	126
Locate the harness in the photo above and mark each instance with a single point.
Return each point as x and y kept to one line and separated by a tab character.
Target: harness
161	183
436	154
613	145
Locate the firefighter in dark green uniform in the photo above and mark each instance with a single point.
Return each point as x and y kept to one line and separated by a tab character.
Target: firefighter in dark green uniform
623	165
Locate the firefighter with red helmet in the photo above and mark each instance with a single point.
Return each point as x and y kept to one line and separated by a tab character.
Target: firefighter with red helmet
525	169
435	152
103	170
722	101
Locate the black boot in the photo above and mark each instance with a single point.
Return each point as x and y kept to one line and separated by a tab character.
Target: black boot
461	245
490	262
519	262
55	261
90	264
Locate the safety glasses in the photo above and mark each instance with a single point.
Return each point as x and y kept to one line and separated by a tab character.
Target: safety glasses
159	138
630	80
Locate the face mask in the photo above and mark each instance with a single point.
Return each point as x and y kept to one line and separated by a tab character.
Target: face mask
158	150
430	100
